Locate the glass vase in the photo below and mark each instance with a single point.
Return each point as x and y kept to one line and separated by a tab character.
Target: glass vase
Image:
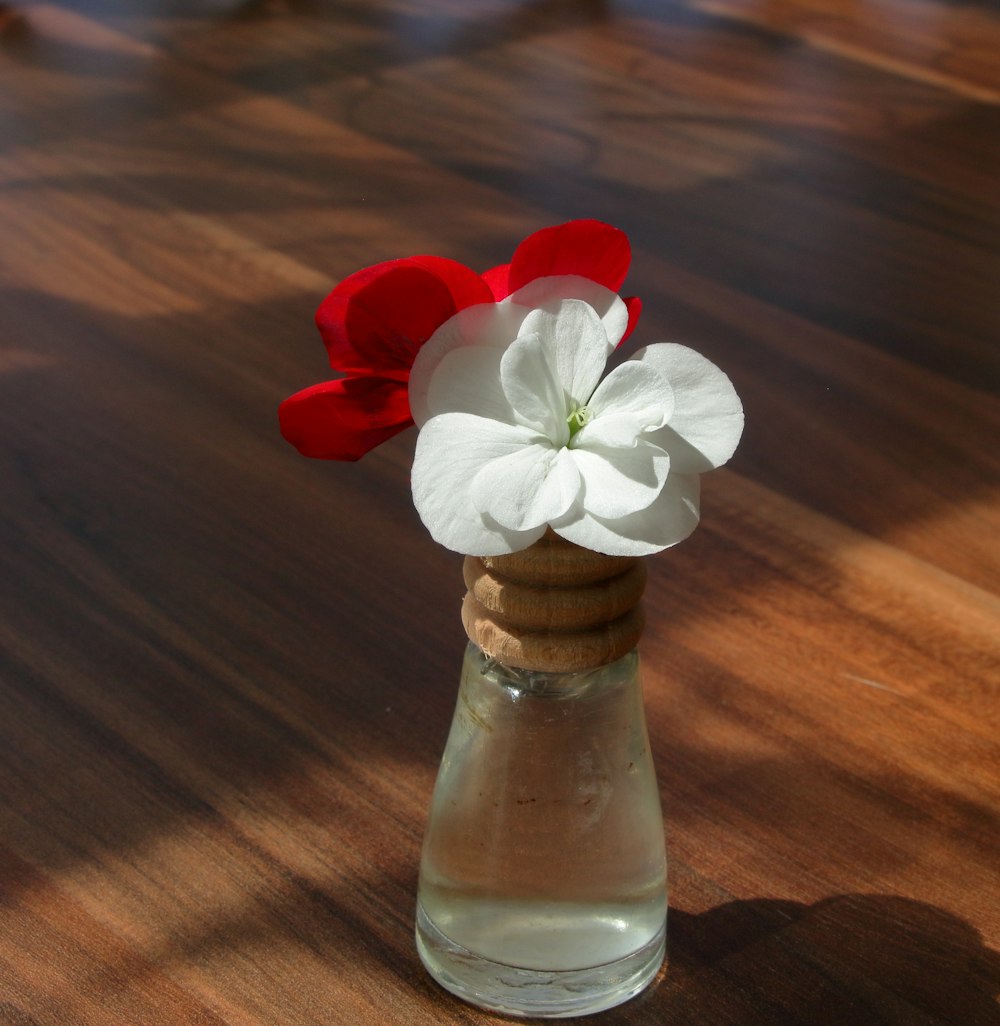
543	876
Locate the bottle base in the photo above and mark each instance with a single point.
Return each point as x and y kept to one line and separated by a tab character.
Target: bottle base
553	994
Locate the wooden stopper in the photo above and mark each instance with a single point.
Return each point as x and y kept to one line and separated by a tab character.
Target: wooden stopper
555	606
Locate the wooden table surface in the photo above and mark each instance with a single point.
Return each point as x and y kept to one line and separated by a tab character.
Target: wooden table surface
227	672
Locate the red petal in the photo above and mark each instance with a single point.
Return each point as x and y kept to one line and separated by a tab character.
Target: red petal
465	286
591	249
634	306
498	279
375	320
344	419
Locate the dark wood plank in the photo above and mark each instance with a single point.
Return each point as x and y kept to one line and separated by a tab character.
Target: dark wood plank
952	46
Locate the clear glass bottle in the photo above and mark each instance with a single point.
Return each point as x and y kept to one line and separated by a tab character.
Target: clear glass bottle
543	877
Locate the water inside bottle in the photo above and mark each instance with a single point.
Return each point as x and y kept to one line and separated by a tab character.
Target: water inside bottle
544	849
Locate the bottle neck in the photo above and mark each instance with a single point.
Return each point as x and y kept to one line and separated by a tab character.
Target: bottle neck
555	684
554	607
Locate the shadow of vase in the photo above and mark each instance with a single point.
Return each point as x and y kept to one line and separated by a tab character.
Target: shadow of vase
853	959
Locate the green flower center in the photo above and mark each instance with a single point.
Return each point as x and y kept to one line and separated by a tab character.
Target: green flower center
578	417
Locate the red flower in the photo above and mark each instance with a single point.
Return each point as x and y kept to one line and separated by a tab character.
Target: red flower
374	322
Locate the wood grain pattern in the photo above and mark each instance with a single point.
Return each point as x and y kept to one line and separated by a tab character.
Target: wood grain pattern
226	673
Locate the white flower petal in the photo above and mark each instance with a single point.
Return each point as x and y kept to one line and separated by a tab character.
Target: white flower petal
545	294
621	430
637	389
575	345
526	489
705	426
532	390
451	450
467	380
668	520
620	481
486	324
631	400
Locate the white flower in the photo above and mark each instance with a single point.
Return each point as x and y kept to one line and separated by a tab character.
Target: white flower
518	432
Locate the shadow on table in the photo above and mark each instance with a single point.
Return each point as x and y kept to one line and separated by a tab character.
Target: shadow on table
857	959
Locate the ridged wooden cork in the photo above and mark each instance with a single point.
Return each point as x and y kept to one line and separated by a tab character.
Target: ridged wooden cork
555	606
